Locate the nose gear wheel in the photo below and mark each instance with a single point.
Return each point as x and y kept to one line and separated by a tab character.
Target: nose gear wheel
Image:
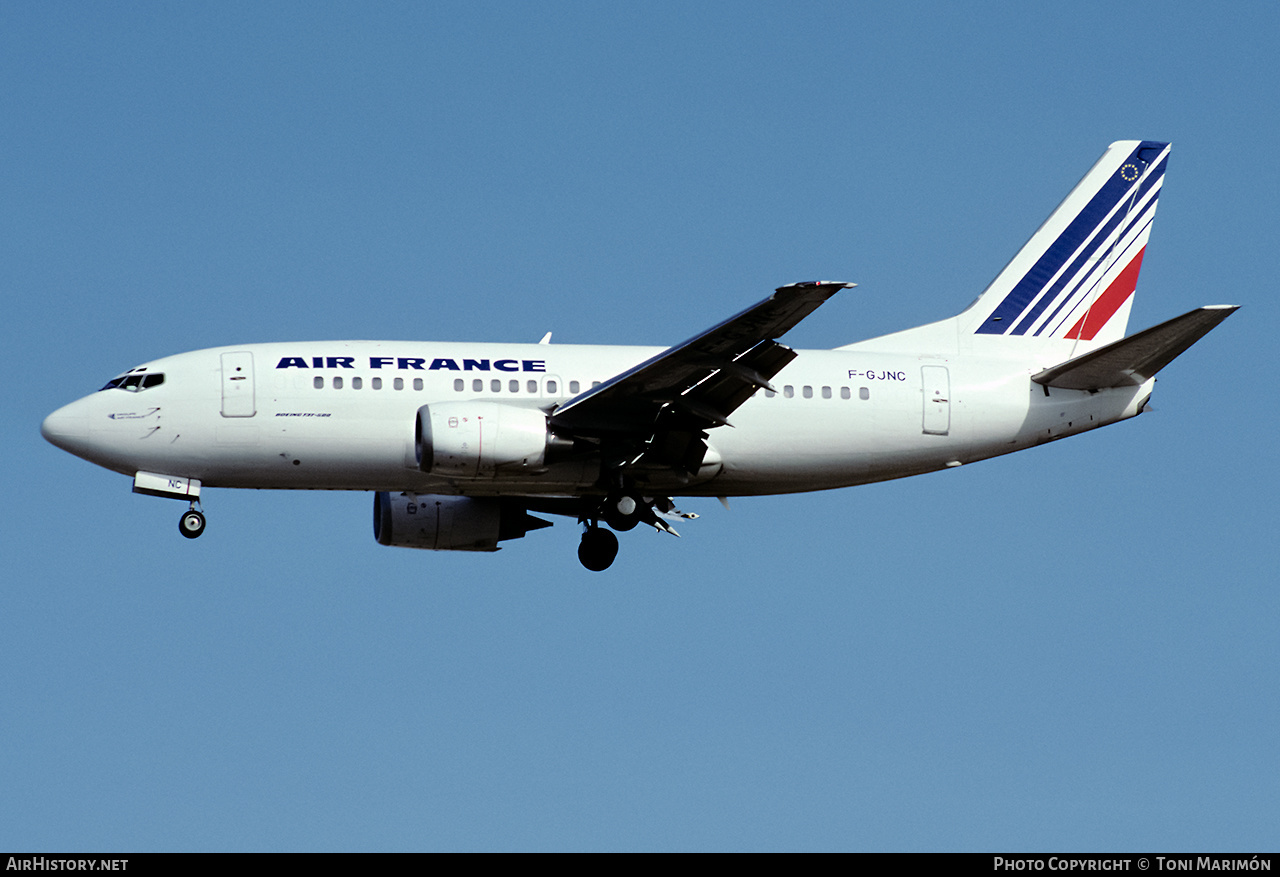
191	524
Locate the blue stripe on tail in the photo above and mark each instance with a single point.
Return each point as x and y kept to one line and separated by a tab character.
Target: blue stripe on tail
1084	226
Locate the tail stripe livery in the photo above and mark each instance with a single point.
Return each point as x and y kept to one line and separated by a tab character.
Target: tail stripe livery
1121	195
1085	265
1091	279
1145	214
1109	302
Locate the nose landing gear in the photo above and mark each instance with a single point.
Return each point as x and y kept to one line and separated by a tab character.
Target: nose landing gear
192	522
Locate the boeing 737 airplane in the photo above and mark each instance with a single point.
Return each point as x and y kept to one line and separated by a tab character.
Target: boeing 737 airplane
462	442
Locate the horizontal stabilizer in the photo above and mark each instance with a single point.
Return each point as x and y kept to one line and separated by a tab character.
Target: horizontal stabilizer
1131	361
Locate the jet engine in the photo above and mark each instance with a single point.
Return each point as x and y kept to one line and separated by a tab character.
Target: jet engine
449	523
479	439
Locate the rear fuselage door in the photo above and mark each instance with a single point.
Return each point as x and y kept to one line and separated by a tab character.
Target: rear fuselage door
937	399
237	384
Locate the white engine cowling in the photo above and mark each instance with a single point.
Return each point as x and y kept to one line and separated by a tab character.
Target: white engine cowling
448	523
478	439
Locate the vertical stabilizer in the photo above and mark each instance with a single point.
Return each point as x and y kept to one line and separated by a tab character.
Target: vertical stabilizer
1074	280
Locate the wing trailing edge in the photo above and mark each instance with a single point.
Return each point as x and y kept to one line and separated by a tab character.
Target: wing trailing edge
1132	361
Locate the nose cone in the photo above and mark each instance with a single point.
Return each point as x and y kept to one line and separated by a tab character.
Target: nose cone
68	428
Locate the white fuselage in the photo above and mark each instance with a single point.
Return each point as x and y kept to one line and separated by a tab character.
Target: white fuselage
462	442
341	415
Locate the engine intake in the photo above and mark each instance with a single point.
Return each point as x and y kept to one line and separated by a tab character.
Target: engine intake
449	523
479	439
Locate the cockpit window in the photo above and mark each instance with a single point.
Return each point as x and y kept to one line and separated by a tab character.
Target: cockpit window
135	381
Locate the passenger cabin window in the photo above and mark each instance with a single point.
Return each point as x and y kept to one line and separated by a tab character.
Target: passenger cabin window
808	392
495	386
477	385
457	384
788	391
864	393
826	392
845	394
398	384
356	383
318	382
533	386
376	383
574	387
337	383
513	386
417	384
551	388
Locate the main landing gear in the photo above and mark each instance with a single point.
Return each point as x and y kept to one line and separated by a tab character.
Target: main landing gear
622	512
598	548
191	524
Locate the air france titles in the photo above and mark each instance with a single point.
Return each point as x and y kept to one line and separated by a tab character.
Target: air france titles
416	363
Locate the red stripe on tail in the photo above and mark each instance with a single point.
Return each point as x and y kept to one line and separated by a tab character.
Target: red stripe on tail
1109	302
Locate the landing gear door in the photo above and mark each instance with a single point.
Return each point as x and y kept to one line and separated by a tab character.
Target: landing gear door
237	384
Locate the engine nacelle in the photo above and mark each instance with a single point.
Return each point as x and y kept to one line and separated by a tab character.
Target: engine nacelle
449	523
479	439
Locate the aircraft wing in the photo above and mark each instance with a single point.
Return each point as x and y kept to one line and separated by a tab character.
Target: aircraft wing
1131	361
696	385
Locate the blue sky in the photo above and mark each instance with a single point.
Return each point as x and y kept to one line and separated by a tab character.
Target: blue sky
1074	647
